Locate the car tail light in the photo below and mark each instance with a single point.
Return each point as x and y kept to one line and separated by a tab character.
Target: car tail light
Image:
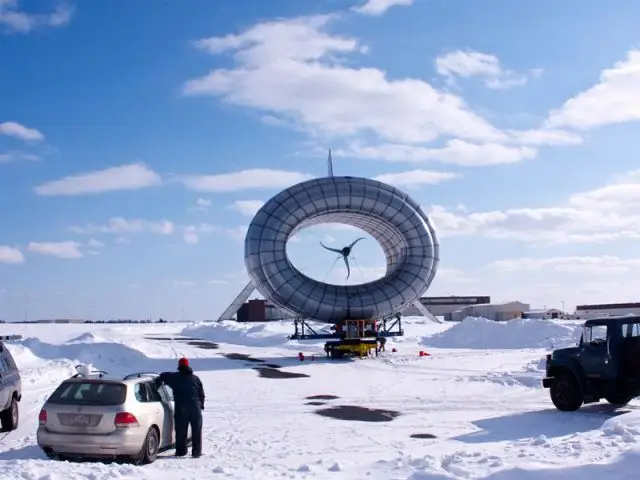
126	420
42	418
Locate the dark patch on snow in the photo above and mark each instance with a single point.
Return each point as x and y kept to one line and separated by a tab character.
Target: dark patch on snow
322	397
272	365
174	339
358	414
275	373
203	344
241	356
316	404
423	435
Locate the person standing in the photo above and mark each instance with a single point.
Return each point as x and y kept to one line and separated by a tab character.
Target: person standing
188	397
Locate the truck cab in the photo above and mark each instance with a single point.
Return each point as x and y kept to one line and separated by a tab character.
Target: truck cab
604	365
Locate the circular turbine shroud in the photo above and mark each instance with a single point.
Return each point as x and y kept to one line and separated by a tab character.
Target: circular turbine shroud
389	215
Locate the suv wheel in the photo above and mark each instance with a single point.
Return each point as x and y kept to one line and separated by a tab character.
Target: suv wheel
566	393
618	400
10	417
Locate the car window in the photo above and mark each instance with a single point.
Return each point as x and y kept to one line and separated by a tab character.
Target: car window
89	393
4	368
140	392
154	395
146	392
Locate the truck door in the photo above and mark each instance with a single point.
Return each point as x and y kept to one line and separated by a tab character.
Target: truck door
595	353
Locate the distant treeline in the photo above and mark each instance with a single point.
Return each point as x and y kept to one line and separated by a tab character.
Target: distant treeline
161	320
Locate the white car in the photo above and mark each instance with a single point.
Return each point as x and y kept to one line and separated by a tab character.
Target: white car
95	416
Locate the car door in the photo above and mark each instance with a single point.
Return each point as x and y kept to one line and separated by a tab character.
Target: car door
161	395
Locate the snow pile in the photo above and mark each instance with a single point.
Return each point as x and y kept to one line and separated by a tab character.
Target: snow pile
269	334
481	333
626	426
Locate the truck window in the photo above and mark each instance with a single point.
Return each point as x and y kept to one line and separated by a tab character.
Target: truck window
631	330
595	334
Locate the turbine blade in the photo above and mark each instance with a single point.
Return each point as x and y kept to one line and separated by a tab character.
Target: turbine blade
346	261
331	249
356	241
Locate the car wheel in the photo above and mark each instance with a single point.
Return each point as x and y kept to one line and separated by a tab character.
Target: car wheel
566	393
10	417
150	447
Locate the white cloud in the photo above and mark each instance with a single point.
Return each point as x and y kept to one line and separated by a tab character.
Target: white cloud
470	63
456	152
416	178
15	20
57	249
247	207
16	130
119	225
218	282
93	243
258	178
604	214
10	255
605	264
293	68
124	177
379	7
17	157
203	204
546	137
615	99
191	234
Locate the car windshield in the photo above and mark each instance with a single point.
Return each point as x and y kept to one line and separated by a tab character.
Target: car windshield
89	393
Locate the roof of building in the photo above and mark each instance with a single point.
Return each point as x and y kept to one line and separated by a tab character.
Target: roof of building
608	306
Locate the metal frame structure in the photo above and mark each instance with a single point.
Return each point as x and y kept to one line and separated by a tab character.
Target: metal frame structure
388	327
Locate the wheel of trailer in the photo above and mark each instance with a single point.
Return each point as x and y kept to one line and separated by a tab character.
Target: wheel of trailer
618	399
10	417
566	393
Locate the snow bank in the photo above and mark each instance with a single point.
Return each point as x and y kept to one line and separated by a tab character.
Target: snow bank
269	334
481	333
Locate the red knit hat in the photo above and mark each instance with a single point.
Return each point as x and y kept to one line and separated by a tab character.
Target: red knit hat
183	362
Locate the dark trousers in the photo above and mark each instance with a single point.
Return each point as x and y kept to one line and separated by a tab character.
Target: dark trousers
184	416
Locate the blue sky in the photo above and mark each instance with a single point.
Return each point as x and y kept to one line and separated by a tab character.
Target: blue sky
136	142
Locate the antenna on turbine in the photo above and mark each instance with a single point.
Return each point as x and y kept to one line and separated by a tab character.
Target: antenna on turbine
330	164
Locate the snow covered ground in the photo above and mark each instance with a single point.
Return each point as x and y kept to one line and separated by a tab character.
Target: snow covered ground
477	398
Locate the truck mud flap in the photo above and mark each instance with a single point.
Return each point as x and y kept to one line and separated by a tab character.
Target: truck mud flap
546	382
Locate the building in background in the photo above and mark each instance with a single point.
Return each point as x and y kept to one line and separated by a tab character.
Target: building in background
544	313
442	306
499	312
606	310
259	310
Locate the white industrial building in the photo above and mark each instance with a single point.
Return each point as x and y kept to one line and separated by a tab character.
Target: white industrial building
544	313
606	310
499	312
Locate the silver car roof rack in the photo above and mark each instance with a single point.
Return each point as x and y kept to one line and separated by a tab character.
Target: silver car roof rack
141	374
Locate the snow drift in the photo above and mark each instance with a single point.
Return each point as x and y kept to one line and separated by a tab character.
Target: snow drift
481	333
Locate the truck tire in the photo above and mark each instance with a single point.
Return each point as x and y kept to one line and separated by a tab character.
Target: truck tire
10	417
618	399
566	393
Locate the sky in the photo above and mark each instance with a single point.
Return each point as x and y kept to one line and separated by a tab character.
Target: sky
138	139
